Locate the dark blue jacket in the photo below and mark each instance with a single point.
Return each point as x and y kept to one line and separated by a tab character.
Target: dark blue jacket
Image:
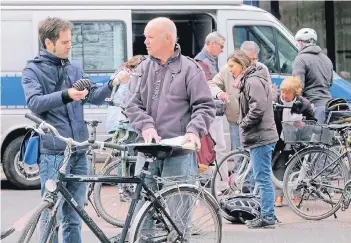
39	79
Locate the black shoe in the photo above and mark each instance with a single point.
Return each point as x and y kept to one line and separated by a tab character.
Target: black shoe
261	223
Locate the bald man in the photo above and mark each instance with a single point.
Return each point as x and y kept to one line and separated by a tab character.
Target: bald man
172	99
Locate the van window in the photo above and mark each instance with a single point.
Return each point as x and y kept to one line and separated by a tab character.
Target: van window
264	38
287	53
276	52
99	46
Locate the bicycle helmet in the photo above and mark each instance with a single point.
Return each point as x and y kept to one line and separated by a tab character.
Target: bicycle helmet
240	208
306	35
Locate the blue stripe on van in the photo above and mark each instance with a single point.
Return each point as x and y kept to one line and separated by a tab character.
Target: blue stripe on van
12	91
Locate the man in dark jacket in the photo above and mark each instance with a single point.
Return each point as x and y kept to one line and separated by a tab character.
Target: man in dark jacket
171	100
208	60
47	82
257	130
315	71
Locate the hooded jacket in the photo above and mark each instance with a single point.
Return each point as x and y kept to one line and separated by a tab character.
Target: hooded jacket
39	80
173	98
316	73
257	126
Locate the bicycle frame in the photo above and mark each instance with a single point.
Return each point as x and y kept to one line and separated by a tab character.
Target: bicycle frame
140	184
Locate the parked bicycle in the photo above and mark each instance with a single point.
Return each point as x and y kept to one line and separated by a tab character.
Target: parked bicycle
169	215
316	181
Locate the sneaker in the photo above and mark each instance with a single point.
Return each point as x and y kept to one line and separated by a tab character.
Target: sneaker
249	222
261	223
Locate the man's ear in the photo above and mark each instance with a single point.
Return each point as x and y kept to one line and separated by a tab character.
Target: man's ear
48	42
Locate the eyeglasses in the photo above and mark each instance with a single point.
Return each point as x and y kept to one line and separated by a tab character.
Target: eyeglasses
219	44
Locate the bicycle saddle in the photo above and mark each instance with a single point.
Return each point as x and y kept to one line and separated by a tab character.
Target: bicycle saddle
339	126
158	151
93	123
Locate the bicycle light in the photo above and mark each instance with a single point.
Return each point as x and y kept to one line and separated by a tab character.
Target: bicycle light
50	185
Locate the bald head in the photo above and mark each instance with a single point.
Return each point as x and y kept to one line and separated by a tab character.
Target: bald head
165	26
160	38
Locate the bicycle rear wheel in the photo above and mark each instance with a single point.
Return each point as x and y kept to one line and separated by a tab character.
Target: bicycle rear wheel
112	201
236	164
319	198
36	231
194	211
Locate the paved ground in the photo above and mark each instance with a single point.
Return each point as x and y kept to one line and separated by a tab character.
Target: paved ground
17	205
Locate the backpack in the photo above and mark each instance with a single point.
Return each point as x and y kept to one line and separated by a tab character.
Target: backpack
30	148
337	111
207	154
240	208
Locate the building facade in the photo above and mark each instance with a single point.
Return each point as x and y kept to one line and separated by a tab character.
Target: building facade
331	20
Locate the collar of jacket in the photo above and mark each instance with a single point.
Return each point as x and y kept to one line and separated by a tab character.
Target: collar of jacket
46	56
213	59
174	63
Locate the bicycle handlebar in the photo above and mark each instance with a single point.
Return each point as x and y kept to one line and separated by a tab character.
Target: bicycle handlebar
296	105
44	126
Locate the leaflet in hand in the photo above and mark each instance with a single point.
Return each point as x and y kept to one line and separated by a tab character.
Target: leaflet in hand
177	141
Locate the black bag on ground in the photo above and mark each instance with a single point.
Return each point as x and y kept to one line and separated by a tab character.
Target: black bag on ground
337	111
241	208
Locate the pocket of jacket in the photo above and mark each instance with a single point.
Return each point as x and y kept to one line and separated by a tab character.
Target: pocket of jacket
250	136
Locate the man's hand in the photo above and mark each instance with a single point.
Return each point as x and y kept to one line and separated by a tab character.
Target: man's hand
149	134
223	96
192	138
121	78
74	94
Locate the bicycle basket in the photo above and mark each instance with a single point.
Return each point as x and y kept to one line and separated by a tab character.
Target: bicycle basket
306	132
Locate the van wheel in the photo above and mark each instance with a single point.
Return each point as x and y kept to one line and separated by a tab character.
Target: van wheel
16	173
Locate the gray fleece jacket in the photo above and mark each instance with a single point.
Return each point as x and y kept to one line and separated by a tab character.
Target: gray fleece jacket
173	98
316	73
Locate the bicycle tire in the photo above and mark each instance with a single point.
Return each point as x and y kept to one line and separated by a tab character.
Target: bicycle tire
220	163
289	169
213	181
97	198
33	222
207	197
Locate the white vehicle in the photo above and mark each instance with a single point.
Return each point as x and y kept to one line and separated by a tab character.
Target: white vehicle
107	33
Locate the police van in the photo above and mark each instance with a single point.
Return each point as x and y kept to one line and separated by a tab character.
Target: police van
108	32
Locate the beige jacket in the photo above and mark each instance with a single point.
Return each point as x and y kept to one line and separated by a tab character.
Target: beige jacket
223	81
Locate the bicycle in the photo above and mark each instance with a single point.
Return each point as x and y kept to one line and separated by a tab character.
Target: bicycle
240	176
120	160
319	172
153	211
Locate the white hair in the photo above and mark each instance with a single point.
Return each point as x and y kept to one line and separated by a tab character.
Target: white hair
167	24
214	36
249	46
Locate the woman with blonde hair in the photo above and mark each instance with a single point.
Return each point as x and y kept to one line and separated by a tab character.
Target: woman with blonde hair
290	92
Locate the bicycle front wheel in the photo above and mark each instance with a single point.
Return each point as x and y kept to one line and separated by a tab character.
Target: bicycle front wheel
194	212
314	181
112	201
37	230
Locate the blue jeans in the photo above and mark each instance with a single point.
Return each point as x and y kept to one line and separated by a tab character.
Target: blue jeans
261	158
319	114
71	222
184	165
234	136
